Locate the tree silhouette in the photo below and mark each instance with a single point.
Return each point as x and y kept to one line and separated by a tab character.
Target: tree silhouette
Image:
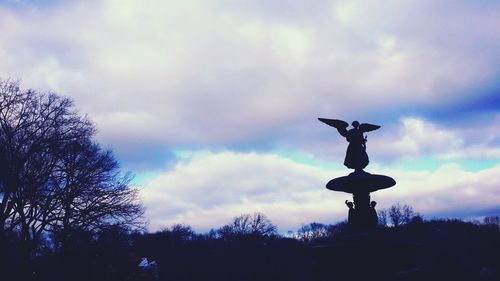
246	224
34	128
313	231
397	215
91	192
53	176
492	220
382	217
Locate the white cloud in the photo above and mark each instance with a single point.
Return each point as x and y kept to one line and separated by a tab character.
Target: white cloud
416	137
446	190
206	190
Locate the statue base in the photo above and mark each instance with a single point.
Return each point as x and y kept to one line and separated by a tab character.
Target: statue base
365	257
360	183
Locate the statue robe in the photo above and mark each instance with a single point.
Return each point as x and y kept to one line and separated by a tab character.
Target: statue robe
356	157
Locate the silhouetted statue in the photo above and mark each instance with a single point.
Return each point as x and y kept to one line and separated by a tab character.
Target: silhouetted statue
351	217
373	214
362	214
356	157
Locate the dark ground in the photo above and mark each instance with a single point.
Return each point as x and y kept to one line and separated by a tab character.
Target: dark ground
431	250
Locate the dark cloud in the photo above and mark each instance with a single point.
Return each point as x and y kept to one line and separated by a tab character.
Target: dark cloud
479	107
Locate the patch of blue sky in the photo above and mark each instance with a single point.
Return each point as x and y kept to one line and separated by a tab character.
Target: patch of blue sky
470	215
308	159
24	3
432	164
295	156
188	154
428	163
418	164
478	165
145	177
477	106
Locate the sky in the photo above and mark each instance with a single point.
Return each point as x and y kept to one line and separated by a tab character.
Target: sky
213	105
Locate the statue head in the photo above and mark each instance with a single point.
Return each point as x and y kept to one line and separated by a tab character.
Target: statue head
355	124
349	204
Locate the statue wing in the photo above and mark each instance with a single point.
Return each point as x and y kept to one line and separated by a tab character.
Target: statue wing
340	125
365	127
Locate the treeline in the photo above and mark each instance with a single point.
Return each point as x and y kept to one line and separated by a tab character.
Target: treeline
249	248
413	250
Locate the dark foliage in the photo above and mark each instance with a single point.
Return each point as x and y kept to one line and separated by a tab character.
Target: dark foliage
256	224
419	250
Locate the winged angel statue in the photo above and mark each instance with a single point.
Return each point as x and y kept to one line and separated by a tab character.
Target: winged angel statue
356	157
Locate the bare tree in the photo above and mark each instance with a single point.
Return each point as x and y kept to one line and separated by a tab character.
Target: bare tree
382	217
256	224
398	214
91	192
407	214
52	174
492	220
313	231
33	129
179	232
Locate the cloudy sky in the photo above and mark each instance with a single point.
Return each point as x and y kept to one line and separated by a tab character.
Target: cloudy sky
213	104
